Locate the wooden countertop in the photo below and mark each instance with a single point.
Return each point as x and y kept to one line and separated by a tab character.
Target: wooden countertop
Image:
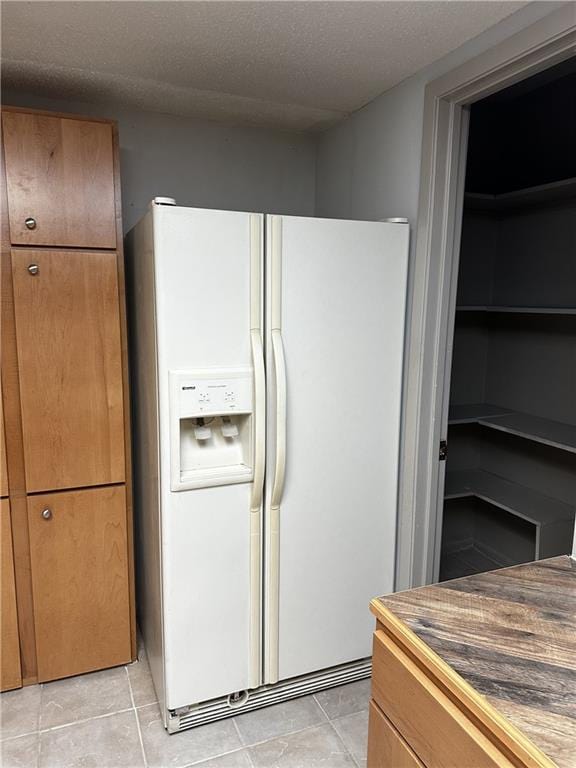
511	634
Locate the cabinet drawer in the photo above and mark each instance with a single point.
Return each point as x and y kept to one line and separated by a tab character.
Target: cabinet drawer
386	748
438	730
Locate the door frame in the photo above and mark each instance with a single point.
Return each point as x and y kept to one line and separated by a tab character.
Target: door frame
447	99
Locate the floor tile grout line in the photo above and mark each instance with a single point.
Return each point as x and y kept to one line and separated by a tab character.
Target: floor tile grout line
284	735
39	752
67	725
214	757
242	743
321	707
349	714
250	761
341	740
248	747
19	736
337	717
139	729
85	720
238	733
244	746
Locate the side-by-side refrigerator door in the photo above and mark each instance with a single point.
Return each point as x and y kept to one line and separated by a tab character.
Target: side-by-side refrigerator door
208	270
336	293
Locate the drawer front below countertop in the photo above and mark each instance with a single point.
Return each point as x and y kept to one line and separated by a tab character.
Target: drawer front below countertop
386	748
439	732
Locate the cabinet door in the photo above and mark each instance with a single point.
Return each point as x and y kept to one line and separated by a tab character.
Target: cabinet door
79	562
60	179
69	358
10	672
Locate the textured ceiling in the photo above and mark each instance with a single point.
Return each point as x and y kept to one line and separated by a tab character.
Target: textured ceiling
301	65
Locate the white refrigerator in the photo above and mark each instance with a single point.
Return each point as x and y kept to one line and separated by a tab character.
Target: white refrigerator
266	368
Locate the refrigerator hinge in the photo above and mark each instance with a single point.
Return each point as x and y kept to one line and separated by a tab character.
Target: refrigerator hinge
443	450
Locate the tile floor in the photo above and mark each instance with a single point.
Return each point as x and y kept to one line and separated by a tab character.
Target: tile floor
110	719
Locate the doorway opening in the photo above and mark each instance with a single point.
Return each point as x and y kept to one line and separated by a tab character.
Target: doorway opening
529	61
510	482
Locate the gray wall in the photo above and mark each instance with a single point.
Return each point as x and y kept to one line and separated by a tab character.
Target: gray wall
202	163
368	167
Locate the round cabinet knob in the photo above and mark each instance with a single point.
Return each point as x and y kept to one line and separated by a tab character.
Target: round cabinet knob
46	513
30	223
33	269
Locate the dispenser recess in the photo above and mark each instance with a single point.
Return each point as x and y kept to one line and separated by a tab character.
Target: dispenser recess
211	427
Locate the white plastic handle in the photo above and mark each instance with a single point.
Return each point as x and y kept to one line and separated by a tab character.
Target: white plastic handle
280	468
259	422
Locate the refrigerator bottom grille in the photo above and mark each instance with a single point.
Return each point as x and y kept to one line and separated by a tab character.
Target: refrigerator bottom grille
218	709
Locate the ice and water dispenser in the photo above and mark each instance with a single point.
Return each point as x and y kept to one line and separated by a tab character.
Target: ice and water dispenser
211	414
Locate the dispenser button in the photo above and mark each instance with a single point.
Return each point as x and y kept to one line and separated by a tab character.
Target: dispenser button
229	430
202	433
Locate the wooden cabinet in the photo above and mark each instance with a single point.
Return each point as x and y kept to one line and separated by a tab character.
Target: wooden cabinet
423	715
65	399
69	358
387	749
10	673
3	465
10	670
437	730
60	178
78	555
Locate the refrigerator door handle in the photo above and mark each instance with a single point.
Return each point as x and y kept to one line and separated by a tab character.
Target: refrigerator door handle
280	468
259	420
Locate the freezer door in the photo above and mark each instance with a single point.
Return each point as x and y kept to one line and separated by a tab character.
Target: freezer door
209	317
335	314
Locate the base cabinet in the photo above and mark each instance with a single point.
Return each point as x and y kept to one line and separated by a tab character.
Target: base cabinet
10	673
386	748
422	715
78	554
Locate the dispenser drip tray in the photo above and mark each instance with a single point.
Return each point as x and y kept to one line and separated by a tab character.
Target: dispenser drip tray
215	448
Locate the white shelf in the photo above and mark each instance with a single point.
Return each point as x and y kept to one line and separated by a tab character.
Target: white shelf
543	193
519	310
518	500
546	431
471	413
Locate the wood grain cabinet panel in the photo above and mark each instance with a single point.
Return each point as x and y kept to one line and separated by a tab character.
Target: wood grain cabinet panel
386	748
10	671
3	463
69	358
435	727
60	180
79	561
